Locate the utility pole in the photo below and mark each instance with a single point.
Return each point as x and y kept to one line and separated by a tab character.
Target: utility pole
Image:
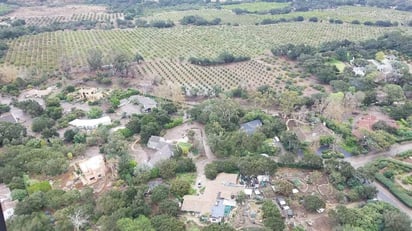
2	221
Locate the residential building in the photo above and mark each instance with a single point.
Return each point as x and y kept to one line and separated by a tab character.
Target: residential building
92	169
217	200
165	150
90	124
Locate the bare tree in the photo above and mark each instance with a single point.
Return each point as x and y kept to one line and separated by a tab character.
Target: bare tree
78	219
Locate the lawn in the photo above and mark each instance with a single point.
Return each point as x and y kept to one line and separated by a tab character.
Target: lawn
257	6
338	64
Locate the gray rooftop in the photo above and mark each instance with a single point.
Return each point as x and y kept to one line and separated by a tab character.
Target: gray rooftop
8	117
251	126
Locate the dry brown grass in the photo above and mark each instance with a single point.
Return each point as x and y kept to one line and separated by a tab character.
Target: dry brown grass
8	74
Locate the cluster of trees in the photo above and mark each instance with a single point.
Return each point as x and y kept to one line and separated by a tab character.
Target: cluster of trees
284	10
272	219
247	166
342	175
302	5
34	157
222	118
380	23
154	23
281	20
373	216
223	58
150	124
199	21
43	119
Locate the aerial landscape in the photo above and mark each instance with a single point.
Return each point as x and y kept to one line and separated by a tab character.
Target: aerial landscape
213	115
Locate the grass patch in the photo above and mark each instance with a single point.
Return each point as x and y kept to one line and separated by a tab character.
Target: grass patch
338	64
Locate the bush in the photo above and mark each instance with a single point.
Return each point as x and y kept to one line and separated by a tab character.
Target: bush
41	123
401	194
174	123
94	113
42	186
313	203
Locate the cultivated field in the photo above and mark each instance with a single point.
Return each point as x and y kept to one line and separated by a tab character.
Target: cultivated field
346	14
251	74
257	6
44	51
43	15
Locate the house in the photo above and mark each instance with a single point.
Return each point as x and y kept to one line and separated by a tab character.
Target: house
165	150
251	126
92	169
90	124
8	117
147	103
217	200
6	202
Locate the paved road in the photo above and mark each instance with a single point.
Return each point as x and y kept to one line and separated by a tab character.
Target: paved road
383	193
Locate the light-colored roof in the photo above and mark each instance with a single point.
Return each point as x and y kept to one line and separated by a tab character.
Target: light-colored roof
91	123
92	164
192	203
223	187
248	191
5	193
8	117
251	126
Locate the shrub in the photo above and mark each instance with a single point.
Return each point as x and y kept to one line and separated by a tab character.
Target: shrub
399	193
42	186
94	113
312	203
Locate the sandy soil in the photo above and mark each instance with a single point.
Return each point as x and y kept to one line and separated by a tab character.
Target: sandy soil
41	11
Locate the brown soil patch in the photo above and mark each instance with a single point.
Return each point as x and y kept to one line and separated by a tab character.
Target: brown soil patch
65	11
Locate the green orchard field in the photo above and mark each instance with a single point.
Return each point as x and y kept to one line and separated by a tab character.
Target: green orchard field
346	14
44	50
257	6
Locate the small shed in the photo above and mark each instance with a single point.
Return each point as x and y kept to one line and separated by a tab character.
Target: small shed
251	126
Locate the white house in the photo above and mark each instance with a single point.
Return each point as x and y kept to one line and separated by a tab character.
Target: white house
90	124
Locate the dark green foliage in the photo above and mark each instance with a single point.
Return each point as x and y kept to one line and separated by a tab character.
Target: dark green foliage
219	227
169	207
179	187
272	218
11	132
198	21
159	193
167	223
373	216
395	190
312	203
223	58
4	108
41	123
32	159
30	107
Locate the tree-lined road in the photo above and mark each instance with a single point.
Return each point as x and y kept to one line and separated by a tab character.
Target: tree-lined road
383	193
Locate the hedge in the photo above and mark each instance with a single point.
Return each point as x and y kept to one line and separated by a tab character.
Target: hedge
398	193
